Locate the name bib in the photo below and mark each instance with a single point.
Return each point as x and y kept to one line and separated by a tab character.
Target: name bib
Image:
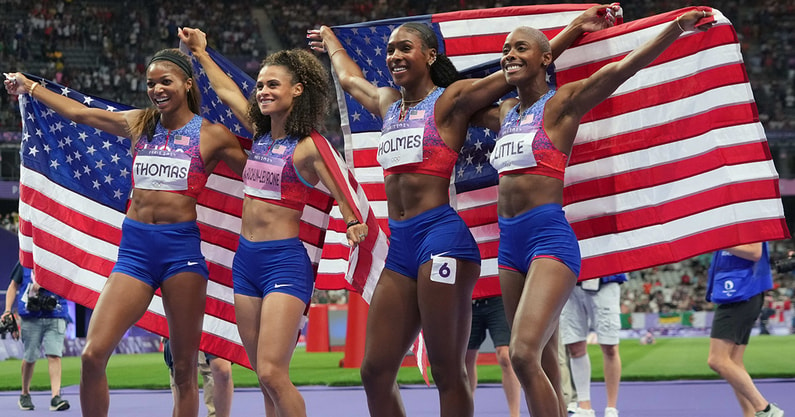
401	144
159	169
262	177
514	150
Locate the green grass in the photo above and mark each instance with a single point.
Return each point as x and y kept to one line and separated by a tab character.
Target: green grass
668	359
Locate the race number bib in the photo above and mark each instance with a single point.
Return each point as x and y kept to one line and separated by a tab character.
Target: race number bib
401	144
262	177
514	151
443	269
159	169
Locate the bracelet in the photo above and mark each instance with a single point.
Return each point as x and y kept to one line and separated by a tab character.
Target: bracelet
352	223
679	24
331	55
32	88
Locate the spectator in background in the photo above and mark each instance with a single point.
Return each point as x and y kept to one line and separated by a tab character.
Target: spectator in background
594	304
738	279
44	317
216	375
489	314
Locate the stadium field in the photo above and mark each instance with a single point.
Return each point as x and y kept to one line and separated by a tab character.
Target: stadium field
668	359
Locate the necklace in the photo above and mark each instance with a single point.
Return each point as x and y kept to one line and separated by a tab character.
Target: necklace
406	104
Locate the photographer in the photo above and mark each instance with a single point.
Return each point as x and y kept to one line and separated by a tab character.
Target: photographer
43	319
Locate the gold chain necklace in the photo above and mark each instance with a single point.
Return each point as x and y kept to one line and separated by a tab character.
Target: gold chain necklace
406	104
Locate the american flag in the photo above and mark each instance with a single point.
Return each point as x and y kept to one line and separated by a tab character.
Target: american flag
75	183
674	164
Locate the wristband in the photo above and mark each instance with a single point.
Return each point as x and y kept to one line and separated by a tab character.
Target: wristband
331	55
680	25
352	223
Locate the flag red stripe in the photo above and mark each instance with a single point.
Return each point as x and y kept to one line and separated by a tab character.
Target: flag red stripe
69	252
219	237
677	209
659	135
701	242
508	11
221	202
671	91
667	173
482	44
220	274
682	47
74	219
487	287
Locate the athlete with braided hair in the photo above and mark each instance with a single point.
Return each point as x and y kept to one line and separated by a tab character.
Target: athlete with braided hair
433	260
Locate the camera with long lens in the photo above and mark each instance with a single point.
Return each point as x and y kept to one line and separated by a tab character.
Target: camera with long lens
8	324
784	265
42	302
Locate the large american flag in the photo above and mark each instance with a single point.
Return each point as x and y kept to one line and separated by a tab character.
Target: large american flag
75	183
674	164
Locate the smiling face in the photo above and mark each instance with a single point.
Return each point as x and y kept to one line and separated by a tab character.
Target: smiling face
407	57
167	86
526	52
275	89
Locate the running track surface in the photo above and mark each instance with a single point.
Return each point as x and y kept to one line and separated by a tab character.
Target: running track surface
636	399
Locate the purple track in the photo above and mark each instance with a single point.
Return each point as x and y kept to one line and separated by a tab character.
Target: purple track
646	399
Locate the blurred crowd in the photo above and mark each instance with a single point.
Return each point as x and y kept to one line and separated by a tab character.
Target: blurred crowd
100	47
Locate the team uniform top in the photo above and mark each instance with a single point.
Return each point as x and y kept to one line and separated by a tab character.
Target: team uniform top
270	174
523	146
171	160
410	143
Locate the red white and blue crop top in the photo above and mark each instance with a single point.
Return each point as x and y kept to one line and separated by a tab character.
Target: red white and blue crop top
523	147
411	144
171	160
270	174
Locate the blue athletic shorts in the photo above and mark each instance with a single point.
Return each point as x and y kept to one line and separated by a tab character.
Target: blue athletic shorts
261	268
438	231
542	232
153	253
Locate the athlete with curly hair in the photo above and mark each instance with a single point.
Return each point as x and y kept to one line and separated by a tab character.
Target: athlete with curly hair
272	273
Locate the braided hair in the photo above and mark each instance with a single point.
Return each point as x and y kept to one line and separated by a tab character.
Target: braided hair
443	72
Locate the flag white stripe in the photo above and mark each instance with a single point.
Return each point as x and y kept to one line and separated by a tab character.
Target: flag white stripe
68	198
680	228
660	194
82	241
619	45
664	113
465	28
665	153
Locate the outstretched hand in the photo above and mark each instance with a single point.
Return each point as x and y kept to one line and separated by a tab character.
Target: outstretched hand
195	39
599	17
699	19
15	83
315	38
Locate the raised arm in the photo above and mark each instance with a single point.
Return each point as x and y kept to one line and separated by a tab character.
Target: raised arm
376	100
115	123
472	98
225	87
594	19
587	93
